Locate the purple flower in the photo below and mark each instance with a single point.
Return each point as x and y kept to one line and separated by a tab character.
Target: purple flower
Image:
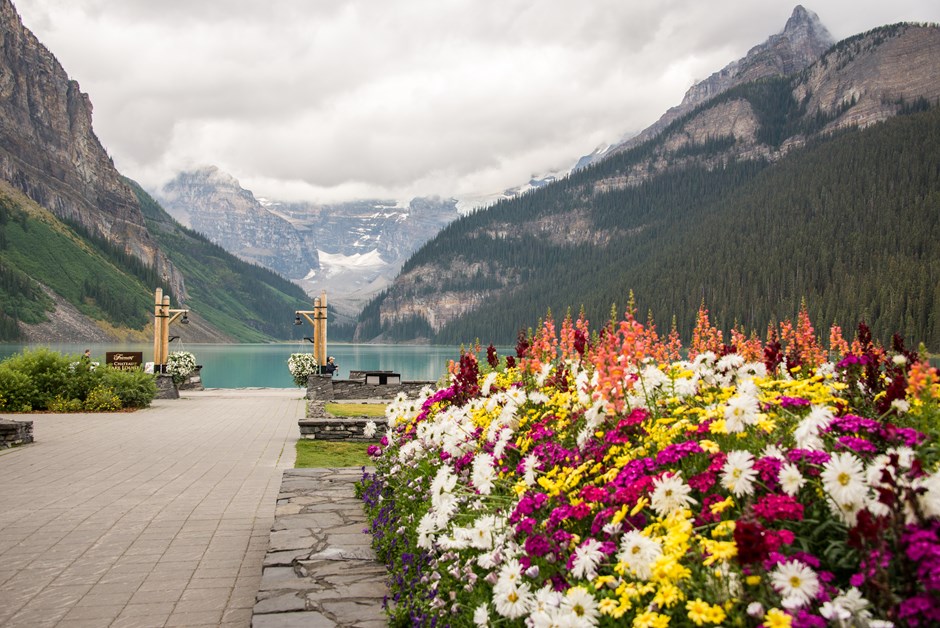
676	452
792	402
856	444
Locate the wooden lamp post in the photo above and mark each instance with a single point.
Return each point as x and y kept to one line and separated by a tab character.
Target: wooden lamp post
163	316
317	318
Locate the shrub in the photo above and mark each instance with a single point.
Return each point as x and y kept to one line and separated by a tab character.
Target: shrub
102	399
17	390
41	379
47	371
82	377
64	404
135	388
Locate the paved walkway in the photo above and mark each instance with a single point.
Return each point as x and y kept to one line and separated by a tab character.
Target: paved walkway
159	517
320	570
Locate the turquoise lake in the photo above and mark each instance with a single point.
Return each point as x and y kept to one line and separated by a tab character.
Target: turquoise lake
265	365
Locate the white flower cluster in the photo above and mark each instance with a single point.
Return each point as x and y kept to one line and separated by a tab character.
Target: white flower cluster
300	366
179	364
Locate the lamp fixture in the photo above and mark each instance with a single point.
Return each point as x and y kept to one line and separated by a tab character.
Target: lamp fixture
297	320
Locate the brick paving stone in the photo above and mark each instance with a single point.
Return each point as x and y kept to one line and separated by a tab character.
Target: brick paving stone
119	512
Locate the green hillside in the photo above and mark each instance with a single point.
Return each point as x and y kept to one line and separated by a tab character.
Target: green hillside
850	222
36	248
246	301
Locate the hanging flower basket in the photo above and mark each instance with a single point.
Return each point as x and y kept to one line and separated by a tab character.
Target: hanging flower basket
301	365
179	365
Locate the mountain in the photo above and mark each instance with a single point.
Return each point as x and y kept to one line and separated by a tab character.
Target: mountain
801	42
79	260
352	250
821	183
213	203
49	151
363	244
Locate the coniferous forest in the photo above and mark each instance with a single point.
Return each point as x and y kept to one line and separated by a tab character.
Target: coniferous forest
850	223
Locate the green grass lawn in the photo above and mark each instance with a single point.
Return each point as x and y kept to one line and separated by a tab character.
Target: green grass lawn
356	409
324	453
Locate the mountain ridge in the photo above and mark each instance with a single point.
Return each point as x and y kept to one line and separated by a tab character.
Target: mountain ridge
859	82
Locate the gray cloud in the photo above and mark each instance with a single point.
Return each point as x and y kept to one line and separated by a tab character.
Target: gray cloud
330	99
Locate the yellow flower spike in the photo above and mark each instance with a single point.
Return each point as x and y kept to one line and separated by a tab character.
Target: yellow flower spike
519	488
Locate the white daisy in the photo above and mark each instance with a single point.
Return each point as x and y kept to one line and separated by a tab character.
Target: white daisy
843	477
444	481
738	474
670	493
369	430
653	378
684	387
481	615
481	534
546	600
483	474
791	480
930	498
586	558
529	466
796	583
488	383
512	602
639	552
741	411
730	361
581	607
510	574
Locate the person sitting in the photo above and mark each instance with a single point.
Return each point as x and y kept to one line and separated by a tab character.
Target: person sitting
330	367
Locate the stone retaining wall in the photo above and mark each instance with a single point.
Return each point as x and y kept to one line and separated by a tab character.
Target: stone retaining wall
14	433
320	425
325	388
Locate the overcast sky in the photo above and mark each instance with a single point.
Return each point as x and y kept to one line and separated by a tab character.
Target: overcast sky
327	100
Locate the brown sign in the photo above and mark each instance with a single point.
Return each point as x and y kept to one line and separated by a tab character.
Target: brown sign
124	360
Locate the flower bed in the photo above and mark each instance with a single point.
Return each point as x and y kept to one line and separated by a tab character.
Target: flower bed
604	481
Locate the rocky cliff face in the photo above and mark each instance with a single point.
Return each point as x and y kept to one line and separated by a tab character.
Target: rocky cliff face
861	81
800	43
214	204
49	151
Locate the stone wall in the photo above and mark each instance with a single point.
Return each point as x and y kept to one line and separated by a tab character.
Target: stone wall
14	433
325	388
320	425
